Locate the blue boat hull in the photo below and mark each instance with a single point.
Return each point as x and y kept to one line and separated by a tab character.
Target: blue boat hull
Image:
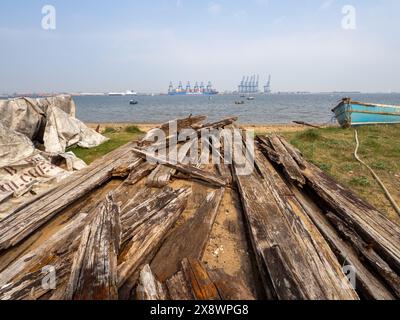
350	113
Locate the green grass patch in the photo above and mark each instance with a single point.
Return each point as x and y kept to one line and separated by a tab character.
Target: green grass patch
325	166
379	165
116	139
309	135
109	130
332	149
133	130
360	181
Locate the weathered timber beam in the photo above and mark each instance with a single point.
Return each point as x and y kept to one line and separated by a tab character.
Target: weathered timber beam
230	288
149	288
368	285
179	288
144	209
197	276
23	278
161	175
186	169
282	241
292	170
309	238
368	253
369	223
188	240
94	269
21	224
142	171
148	236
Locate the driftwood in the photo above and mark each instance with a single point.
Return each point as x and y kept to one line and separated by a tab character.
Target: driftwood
23	278
302	225
202	286
368	285
230	288
307	124
142	210
142	171
192	282
185	123
188	240
291	263
178	287
370	224
283	157
161	175
186	169
368	253
19	225
220	124
148	236
149	288
94	269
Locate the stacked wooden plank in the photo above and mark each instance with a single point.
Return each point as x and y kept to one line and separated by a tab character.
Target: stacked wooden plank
360	235
193	281
122	229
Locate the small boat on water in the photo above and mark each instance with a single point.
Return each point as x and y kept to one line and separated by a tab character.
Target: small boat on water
352	113
250	98
133	102
239	102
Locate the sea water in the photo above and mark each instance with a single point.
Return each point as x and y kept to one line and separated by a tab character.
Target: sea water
265	109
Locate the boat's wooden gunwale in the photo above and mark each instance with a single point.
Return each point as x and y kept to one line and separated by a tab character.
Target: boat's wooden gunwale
397	114
369	105
374	104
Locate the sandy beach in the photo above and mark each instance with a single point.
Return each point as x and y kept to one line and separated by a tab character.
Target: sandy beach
259	128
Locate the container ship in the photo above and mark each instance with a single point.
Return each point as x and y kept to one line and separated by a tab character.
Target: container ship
196	90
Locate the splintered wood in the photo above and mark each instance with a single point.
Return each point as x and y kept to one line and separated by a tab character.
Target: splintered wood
137	225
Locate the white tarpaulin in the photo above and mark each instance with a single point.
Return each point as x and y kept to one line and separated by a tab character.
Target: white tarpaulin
27	115
49	121
63	131
26	171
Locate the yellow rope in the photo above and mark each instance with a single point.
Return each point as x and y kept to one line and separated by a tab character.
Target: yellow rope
387	193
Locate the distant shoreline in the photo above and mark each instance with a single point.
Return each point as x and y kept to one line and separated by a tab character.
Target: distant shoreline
267	128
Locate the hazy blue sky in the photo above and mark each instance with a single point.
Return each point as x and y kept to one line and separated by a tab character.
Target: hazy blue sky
142	45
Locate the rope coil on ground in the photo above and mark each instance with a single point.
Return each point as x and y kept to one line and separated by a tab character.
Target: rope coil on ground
387	193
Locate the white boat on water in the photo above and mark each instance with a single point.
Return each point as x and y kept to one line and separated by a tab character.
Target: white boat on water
126	93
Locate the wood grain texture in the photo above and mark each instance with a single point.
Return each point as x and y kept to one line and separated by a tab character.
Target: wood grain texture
94	268
189	239
21	224
23	278
368	284
370	224
191	171
197	276
292	263
148	236
149	288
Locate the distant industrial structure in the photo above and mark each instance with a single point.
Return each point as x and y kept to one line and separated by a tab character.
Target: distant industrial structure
250	85
267	87
196	90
